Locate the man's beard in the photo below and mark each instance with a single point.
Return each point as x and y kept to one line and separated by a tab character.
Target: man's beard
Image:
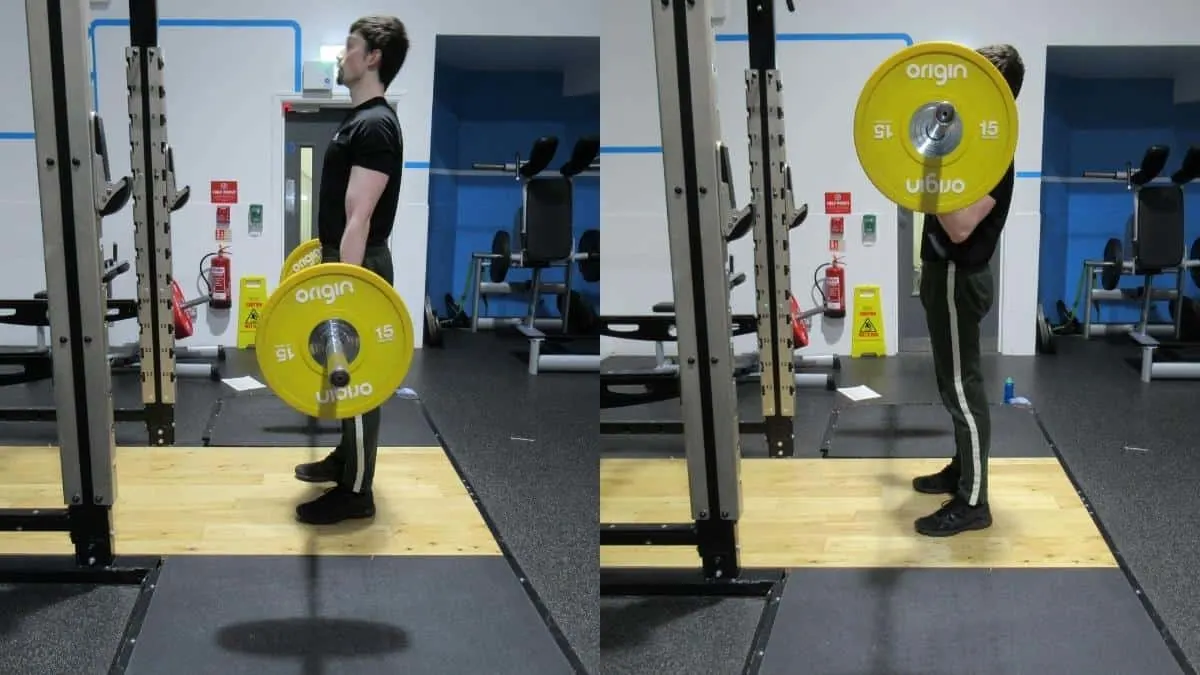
340	80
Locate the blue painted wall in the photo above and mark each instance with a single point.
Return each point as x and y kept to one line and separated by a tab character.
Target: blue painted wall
490	117
1100	125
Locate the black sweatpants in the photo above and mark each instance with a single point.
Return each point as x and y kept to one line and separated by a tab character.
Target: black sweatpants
955	303
360	435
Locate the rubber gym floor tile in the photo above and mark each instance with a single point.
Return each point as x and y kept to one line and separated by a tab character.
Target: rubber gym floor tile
252	615
924	430
698	636
62	628
952	621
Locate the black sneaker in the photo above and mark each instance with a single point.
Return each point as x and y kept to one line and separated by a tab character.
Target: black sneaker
336	505
944	482
954	517
328	470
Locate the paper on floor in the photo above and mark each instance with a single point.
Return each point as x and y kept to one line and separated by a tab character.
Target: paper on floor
859	393
244	383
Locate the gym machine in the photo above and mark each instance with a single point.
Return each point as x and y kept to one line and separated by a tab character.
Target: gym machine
1154	239
544	240
70	190
585	255
776	363
157	411
697	222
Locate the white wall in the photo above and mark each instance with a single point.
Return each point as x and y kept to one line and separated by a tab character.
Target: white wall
223	85
822	72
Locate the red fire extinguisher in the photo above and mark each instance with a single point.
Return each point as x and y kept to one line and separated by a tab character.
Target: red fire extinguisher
221	277
835	290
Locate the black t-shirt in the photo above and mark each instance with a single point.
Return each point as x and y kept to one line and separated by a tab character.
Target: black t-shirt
369	137
978	248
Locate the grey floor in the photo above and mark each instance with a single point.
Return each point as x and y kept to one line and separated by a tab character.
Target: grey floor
71	628
267	615
527	445
1131	446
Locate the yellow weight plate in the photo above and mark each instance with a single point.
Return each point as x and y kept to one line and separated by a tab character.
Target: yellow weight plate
304	255
907	155
374	326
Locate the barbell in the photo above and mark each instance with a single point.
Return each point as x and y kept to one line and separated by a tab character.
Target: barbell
935	127
334	340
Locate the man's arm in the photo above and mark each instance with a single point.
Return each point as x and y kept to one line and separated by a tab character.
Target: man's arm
376	157
362	194
961	223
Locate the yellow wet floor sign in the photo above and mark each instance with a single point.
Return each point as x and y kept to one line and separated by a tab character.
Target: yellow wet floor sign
868	339
253	295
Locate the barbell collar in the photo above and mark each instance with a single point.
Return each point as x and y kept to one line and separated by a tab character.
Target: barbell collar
944	114
335	356
935	130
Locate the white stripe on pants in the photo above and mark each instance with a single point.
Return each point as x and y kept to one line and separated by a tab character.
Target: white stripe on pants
360	464
956	359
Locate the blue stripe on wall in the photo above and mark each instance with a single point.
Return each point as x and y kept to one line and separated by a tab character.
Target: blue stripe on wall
823	37
789	37
294	26
631	149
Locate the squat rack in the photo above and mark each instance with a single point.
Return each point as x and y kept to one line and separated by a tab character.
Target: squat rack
698	215
70	190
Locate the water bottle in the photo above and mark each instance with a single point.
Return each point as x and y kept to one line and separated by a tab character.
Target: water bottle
1009	388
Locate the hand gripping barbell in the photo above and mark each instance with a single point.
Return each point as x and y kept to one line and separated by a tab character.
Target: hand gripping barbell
334	340
935	128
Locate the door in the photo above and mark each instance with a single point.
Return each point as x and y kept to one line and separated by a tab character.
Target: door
914	337
307	133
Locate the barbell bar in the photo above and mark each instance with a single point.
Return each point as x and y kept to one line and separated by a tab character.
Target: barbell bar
1114	265
935	127
586	256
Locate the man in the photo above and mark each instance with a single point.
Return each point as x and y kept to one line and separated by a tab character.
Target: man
359	194
957	293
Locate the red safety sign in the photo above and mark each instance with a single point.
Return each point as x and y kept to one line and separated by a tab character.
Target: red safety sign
837	202
223	211
224	191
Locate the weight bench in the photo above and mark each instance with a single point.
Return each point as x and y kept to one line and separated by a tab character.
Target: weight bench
747	367
121	358
545	239
1155	239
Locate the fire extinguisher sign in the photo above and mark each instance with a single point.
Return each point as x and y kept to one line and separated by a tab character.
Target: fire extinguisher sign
223	191
837	203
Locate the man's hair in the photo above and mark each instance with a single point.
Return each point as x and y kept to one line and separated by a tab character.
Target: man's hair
1008	61
388	35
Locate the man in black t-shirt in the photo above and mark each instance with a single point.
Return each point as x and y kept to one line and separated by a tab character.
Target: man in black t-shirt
957	292
357	202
